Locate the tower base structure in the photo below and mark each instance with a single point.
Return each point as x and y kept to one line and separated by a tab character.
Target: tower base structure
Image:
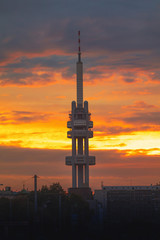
85	193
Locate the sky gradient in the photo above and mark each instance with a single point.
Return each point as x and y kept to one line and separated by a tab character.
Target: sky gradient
121	55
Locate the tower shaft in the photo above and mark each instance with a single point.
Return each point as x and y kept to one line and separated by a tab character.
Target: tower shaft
79	76
79	84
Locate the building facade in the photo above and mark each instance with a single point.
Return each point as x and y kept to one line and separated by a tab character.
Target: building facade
129	203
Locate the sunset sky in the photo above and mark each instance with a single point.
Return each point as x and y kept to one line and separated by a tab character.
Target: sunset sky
120	43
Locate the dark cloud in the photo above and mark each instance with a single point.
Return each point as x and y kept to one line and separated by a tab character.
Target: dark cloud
129	80
22	117
26	74
117	130
155	76
144	118
126	33
54	62
139	105
10	77
22	112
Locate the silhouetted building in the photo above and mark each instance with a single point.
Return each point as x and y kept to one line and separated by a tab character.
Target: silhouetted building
129	203
80	125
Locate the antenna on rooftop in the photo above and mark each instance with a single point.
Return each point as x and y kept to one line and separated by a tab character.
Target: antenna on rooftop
35	193
102	184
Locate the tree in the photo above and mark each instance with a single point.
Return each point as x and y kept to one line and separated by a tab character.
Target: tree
44	189
55	188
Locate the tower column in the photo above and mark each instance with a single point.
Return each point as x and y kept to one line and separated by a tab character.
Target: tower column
74	184
87	163
80	176
80	167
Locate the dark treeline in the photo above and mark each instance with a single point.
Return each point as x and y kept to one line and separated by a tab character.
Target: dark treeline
57	215
60	216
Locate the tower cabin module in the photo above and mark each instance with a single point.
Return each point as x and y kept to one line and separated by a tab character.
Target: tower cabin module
80	126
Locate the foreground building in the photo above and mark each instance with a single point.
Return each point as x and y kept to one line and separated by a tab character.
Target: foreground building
80	125
129	203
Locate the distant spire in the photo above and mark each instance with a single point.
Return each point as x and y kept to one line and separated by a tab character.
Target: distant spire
79	47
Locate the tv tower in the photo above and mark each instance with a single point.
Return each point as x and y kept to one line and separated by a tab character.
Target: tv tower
80	125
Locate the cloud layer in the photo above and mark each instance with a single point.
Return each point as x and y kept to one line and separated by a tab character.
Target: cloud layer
115	34
113	168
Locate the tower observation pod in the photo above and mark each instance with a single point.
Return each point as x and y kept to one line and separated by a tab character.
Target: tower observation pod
80	126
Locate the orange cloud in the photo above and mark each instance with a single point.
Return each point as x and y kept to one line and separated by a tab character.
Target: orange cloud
140	105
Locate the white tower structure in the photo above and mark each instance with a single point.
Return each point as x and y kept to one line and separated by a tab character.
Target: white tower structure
80	125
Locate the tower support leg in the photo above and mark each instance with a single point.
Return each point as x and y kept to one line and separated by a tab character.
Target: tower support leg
87	163
74	184
80	176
